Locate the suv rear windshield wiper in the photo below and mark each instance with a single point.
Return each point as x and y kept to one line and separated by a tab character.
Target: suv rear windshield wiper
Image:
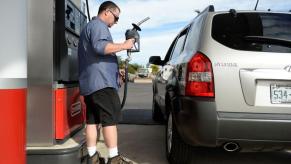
268	40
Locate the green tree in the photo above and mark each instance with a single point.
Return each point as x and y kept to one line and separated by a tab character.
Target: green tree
132	68
121	63
155	69
136	66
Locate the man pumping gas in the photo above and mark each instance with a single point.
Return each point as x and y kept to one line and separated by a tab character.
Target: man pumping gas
99	81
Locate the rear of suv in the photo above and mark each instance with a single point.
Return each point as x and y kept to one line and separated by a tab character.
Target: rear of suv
226	82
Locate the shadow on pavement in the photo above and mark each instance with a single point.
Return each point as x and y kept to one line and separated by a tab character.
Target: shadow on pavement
138	117
143	144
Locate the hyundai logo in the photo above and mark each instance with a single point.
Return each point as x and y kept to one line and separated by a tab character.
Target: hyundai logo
288	68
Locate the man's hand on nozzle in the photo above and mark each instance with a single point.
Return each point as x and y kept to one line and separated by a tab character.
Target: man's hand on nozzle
128	44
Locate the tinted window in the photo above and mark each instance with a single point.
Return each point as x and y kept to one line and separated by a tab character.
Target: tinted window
267	32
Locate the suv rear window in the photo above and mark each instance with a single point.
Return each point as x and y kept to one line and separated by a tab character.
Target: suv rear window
266	32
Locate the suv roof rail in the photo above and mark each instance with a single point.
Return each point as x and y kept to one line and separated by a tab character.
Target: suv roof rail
233	12
210	8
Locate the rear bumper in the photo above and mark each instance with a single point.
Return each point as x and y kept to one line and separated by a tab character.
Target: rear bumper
199	124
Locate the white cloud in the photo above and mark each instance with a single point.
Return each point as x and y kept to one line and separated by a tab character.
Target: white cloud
165	12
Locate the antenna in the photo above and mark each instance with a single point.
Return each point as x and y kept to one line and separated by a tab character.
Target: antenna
256	5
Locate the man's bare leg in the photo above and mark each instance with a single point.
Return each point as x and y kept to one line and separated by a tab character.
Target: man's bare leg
91	138
110	137
91	134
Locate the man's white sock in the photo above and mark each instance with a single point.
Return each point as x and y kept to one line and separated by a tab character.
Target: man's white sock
91	150
113	152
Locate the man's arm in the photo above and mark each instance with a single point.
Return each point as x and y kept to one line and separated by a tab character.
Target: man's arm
116	47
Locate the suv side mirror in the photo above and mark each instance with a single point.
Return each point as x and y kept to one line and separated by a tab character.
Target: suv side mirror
155	60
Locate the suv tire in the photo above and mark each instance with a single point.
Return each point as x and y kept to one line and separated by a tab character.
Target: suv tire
177	151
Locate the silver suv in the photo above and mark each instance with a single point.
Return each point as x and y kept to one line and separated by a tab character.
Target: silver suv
226	82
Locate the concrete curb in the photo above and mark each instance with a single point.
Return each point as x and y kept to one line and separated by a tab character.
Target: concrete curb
142	80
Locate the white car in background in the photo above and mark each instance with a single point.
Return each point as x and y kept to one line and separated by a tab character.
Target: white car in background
143	72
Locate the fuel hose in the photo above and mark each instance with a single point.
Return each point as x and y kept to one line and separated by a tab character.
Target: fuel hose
126	82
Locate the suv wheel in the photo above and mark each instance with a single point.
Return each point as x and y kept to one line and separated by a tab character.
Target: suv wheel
156	111
176	150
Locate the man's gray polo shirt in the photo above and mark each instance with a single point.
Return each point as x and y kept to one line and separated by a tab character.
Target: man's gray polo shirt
96	70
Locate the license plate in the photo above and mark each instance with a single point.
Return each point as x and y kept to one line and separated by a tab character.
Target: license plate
280	94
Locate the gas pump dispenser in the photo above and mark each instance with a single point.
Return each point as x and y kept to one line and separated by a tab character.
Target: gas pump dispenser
55	114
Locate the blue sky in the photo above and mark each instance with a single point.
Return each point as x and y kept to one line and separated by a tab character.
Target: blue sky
168	17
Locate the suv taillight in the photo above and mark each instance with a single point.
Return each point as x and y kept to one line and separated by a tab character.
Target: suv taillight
199	80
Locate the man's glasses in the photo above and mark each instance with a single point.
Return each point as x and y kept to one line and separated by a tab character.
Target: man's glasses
116	18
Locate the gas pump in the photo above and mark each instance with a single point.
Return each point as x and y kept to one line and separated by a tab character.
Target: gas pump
55	114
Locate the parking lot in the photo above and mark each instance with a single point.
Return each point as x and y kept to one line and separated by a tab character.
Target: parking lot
142	140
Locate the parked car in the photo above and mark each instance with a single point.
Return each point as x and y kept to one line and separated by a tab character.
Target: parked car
143	72
226	82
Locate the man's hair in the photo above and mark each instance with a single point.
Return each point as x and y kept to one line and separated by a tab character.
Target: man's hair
107	5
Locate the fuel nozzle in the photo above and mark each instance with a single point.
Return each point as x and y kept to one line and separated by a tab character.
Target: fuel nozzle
133	34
